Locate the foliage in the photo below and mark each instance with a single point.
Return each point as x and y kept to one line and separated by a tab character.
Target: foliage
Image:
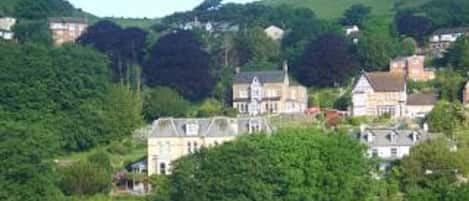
447	13
326	61
85	178
457	55
294	164
447	117
33	9
414	26
179	61
36	31
355	15
254	45
376	50
449	84
125	47
164	102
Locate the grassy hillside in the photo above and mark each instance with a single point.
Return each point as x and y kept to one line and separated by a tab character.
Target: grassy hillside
331	9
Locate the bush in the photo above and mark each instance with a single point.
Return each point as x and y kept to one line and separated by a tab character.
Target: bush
85	178
164	102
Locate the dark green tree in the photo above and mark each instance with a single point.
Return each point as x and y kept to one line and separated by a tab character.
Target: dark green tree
326	62
178	60
355	15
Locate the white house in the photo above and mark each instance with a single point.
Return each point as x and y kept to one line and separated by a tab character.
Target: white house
389	144
441	39
6	25
351	29
274	32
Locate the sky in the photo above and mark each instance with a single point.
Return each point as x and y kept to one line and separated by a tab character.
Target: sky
138	8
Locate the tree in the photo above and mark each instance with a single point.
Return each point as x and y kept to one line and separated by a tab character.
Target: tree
35	31
376	50
448	118
458	55
125	47
298	164
32	9
85	178
355	15
326	62
179	61
207	5
255	46
410	25
164	102
449	84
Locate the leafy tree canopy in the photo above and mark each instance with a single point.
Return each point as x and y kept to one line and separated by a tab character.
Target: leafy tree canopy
355	15
178	60
290	165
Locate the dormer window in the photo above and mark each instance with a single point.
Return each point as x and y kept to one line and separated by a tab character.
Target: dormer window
192	129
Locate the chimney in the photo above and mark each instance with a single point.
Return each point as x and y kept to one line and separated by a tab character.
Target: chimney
285	66
237	70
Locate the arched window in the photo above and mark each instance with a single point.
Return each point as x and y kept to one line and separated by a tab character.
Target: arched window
163	168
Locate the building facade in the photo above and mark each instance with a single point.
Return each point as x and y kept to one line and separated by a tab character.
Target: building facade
389	144
268	92
6	25
274	32
441	39
170	138
413	67
66	30
378	94
419	105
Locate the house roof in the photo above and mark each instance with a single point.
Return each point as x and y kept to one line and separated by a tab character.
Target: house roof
422	99
451	30
386	81
207	127
263	76
68	20
382	137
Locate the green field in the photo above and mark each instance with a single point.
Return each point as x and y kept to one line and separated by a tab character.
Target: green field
332	9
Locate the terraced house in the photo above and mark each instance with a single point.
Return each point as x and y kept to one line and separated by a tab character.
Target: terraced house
170	139
268	92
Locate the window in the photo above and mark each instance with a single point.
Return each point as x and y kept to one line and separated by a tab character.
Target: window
192	129
393	152
163	168
195	147
189	147
374	153
243	94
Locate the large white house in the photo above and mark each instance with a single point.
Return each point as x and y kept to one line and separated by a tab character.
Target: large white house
170	139
390	144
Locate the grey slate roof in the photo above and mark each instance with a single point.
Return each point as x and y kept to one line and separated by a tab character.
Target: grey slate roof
382	137
422	99
451	30
208	127
263	76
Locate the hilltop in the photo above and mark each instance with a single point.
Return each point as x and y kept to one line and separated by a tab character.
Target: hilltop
332	9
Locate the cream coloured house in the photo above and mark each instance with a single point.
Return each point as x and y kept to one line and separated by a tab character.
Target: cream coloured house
268	92
379	93
274	32
171	139
66	30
